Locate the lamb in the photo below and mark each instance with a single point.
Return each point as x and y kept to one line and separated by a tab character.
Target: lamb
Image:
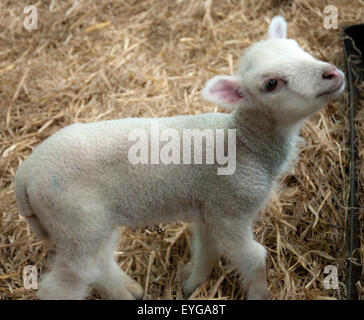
79	185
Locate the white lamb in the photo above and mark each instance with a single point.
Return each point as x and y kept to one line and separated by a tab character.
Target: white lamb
78	186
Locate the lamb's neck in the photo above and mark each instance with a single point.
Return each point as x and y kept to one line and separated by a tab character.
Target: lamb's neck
259	133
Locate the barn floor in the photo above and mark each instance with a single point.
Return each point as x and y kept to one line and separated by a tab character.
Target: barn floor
98	60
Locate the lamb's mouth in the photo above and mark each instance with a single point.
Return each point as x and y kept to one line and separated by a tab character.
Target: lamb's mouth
337	87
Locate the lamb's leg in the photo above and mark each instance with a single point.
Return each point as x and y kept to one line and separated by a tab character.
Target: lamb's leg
75	266
69	278
61	284
204	256
253	269
249	258
112	282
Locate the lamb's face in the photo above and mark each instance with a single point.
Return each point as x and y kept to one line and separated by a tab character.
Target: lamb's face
286	79
277	75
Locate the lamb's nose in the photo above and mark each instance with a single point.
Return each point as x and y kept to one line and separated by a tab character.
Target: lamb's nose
330	74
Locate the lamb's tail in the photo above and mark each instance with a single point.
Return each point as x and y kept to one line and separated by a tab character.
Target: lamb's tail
26	211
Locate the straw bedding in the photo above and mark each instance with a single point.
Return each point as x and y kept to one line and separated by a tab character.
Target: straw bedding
359	127
98	60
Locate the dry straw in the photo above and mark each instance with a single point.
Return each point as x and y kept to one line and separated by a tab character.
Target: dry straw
97	60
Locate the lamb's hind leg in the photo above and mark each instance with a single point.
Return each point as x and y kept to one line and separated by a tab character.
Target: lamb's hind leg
81	262
70	276
112	281
62	284
76	267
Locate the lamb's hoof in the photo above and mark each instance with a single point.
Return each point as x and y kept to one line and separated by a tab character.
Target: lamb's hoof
262	295
189	286
136	290
186	271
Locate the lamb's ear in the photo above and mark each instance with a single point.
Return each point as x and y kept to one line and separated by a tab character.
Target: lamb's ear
226	91
277	28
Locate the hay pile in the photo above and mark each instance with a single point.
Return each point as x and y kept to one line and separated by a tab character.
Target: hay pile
91	60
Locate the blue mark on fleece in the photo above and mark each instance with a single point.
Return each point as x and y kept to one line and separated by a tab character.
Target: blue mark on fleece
55	182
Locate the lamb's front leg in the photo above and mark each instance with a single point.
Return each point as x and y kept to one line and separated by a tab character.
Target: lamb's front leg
204	256
253	270
247	256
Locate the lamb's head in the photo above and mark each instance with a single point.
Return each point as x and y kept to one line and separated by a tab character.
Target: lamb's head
277	75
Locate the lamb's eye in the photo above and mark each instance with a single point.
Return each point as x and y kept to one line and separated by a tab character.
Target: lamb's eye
271	84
